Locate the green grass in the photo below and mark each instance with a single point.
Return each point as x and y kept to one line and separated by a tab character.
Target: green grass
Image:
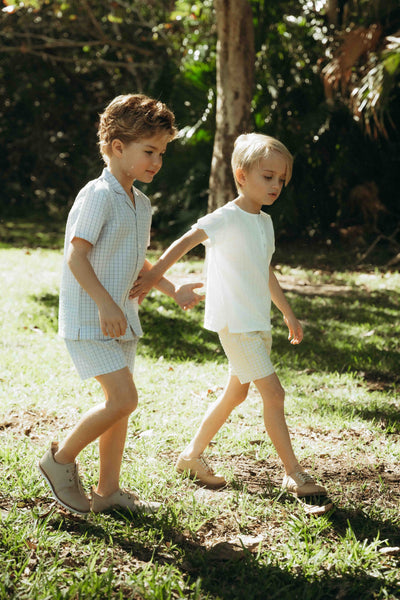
248	541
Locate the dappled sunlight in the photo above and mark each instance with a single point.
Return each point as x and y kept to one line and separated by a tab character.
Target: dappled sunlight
342	410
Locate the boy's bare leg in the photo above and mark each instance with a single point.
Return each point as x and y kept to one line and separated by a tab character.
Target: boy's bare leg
112	441
273	397
111	449
233	395
108	419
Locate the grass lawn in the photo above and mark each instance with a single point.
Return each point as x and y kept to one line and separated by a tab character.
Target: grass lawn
249	540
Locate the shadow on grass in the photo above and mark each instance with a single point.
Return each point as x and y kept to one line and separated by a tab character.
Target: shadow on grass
175	334
328	345
233	573
364	527
34	233
168	331
387	415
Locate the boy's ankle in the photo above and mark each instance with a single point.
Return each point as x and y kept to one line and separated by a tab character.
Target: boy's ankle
294	468
60	459
105	492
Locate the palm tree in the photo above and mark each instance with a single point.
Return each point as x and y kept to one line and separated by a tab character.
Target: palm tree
364	69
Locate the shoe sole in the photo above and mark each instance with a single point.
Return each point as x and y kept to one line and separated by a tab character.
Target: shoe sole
63	504
309	495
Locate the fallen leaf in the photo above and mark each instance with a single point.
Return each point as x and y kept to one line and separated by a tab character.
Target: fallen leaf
226	551
390	550
250	542
316	510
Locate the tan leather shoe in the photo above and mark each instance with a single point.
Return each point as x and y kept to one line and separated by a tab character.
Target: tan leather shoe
301	483
64	482
123	499
199	470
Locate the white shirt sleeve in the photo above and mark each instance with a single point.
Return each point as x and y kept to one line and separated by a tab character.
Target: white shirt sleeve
214	226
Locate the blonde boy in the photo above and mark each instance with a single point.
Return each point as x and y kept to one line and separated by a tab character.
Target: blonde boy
107	234
240	286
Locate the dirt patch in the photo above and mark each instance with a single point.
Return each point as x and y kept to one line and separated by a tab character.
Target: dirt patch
294	284
30	423
357	482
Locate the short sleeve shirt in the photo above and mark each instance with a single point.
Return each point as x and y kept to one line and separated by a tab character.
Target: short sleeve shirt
239	251
104	215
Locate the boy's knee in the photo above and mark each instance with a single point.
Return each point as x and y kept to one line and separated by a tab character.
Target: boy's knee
278	393
240	397
273	394
129	403
125	404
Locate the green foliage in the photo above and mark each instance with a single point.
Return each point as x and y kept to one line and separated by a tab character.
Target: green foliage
62	62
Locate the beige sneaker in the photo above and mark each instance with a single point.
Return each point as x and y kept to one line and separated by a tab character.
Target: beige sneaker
199	470
123	499
301	483
64	482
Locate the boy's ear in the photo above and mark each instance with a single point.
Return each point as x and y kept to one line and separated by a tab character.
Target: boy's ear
240	175
117	147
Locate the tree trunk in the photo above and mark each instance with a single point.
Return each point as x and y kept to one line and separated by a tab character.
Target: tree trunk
332	12
235	79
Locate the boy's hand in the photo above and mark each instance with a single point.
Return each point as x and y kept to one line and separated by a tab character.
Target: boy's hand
186	297
113	322
142	285
295	329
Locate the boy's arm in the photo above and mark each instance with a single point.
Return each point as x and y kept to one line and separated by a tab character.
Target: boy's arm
112	320
184	295
149	278
279	299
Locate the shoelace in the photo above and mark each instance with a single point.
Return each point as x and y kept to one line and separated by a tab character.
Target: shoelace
73	473
130	495
205	465
75	478
305	477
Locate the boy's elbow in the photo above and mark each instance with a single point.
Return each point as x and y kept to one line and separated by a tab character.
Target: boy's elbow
70	255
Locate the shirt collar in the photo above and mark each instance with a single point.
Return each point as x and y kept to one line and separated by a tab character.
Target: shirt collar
113	181
116	186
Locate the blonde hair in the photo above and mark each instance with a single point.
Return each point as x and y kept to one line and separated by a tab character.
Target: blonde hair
249	148
132	117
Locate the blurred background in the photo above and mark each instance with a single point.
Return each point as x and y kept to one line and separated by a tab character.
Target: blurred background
326	83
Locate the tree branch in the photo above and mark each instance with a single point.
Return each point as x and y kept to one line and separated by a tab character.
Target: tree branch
52	43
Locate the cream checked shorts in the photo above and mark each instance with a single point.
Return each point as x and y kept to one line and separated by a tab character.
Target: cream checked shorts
248	354
98	357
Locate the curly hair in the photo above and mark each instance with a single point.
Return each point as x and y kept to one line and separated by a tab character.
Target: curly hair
132	117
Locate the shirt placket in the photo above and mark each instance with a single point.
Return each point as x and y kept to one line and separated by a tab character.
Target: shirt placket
263	237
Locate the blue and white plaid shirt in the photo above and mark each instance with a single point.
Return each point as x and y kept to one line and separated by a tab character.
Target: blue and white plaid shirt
104	215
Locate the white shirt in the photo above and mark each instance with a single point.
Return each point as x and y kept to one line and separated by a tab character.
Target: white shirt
239	251
104	215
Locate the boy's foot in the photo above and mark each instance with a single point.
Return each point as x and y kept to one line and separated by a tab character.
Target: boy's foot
301	484
199	470
64	482
123	499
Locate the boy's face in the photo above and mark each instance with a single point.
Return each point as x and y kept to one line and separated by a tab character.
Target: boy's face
263	182
142	159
